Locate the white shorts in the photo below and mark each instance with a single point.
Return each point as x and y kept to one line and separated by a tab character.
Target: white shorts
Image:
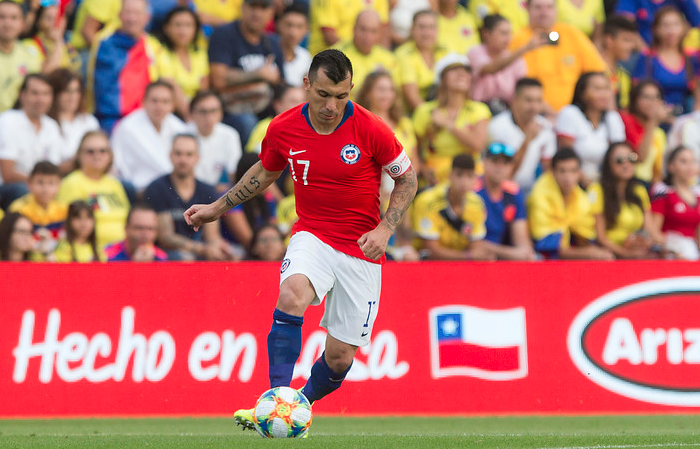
351	286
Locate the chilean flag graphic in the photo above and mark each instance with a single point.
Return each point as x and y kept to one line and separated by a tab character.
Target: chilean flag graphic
469	341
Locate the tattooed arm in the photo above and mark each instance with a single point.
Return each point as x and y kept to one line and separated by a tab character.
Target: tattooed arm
373	243
254	182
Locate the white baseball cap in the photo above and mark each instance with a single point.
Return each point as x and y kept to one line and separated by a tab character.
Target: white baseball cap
449	61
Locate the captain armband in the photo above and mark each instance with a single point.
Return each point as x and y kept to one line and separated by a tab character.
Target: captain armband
398	166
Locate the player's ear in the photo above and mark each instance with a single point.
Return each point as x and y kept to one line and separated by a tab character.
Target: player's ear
307	83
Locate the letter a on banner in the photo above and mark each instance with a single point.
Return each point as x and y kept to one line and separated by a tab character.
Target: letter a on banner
469	341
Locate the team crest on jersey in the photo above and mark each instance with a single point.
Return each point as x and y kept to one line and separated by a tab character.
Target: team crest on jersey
285	265
350	154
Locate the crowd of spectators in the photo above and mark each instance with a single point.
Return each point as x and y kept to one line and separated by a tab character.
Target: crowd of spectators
542	129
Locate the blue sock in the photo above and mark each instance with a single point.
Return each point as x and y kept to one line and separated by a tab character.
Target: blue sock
283	347
323	380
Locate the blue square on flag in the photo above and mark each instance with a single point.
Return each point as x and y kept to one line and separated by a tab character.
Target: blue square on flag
449	326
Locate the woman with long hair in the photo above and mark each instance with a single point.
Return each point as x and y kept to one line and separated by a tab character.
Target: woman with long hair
590	124
183	59
46	36
621	206
80	243
666	62
646	112
91	182
16	237
676	206
69	111
452	124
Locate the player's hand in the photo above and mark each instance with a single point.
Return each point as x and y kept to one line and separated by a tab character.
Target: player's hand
373	243
198	214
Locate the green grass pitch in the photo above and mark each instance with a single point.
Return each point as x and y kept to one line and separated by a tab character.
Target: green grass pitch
594	432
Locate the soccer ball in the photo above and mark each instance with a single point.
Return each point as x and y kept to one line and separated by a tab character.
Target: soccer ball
282	412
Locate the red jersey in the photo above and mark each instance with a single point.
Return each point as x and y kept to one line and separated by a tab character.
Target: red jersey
336	176
678	215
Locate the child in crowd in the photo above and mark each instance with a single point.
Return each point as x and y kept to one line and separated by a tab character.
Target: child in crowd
41	207
80	242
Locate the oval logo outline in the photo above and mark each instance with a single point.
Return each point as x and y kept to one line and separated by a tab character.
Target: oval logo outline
615	299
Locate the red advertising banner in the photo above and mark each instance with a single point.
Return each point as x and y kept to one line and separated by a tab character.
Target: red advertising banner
457	338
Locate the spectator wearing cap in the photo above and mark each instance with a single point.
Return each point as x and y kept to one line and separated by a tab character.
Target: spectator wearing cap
417	59
245	64
141	141
560	215
453	123
457	29
449	219
292	27
506	218
365	51
16	58
332	21
496	68
526	130
558	65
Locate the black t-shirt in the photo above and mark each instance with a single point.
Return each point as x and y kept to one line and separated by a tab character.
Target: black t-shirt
161	195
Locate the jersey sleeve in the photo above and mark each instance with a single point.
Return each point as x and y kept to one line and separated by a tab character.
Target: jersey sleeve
270	156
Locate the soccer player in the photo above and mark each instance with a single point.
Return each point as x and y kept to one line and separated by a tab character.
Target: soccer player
336	151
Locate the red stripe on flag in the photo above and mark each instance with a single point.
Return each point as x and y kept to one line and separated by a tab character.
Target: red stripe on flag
465	355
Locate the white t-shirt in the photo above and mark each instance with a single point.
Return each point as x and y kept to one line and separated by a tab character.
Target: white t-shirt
219	153
401	15
296	69
141	153
686	131
74	131
503	129
21	142
590	144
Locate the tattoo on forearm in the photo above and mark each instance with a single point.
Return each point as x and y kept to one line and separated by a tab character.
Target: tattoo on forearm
401	197
243	192
229	203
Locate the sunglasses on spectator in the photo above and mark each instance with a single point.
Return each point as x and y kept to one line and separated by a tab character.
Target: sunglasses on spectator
92	151
500	149
631	158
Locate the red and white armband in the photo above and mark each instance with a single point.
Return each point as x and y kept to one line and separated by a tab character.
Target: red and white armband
398	166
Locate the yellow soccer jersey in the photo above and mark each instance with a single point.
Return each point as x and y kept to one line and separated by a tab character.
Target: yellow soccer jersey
413	68
629	220
558	67
515	12
434	219
69	59
339	15
14	66
439	149
362	65
107	198
583	18
78	252
104	11
226	10
170	66
52	217
257	135
406	135
549	216
459	33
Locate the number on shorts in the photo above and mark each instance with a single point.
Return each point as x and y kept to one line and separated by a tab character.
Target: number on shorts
369	312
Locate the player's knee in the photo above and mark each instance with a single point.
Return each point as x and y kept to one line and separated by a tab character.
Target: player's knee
295	295
339	361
